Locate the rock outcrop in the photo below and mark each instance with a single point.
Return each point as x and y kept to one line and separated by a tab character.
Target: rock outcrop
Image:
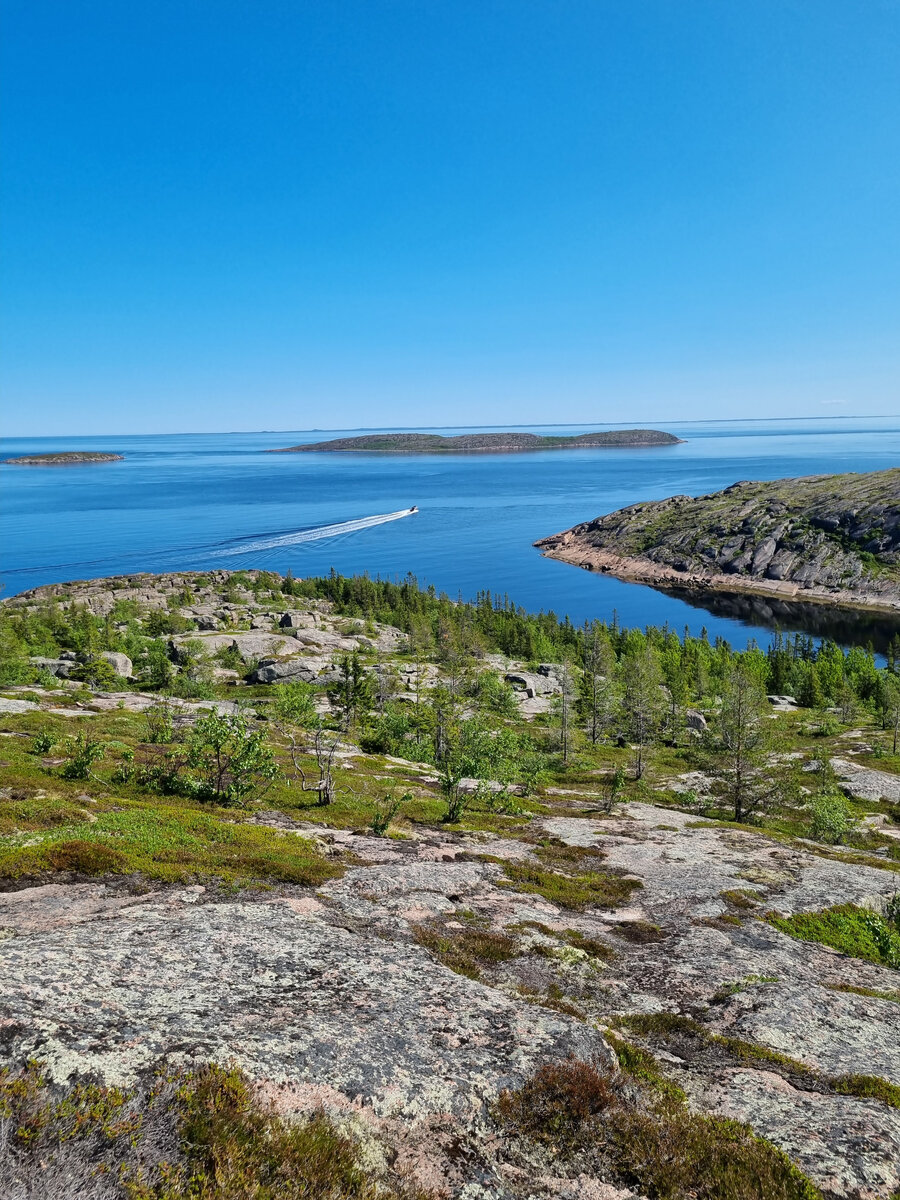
832	538
328	999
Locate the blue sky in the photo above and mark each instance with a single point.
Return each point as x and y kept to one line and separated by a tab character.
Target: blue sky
280	215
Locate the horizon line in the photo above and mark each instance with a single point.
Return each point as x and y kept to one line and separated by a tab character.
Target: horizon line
416	428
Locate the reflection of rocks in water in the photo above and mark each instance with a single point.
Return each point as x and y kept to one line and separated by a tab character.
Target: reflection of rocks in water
820	620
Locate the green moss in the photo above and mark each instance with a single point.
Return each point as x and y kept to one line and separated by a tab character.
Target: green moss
601	889
847	928
641	933
740	898
168	843
562	857
864	991
590	945
867	1086
642	1066
466	951
737	1048
664	1024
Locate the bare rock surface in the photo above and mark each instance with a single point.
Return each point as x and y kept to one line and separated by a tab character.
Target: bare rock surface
326	998
17	706
866	783
289	994
849	1147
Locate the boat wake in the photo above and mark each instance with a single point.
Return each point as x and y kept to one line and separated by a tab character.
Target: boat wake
311	535
192	557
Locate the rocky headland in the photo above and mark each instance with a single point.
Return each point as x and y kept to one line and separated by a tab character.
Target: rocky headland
435	443
64	458
824	538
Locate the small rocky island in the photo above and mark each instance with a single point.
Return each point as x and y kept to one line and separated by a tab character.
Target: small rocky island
64	458
436	443
833	538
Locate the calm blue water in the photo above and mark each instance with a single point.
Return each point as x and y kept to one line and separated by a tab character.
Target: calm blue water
179	501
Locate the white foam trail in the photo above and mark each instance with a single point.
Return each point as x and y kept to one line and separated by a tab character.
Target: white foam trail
313	535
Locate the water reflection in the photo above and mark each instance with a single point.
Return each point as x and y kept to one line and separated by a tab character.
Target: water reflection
842	625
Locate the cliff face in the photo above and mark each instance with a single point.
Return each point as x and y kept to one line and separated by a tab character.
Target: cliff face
830	535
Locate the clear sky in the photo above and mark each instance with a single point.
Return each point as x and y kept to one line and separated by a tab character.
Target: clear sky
285	214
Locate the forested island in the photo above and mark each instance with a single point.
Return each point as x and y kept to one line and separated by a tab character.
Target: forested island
436	443
344	888
831	538
64	458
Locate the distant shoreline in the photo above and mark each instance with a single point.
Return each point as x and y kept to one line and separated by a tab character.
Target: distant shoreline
485	443
64	458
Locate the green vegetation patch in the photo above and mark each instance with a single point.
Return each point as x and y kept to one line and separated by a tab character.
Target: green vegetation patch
855	931
868	1086
650	1141
466	951
874	993
172	844
597	889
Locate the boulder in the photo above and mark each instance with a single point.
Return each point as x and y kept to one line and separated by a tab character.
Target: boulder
296	620
17	706
120	663
695	720
251	646
61	667
540	684
273	670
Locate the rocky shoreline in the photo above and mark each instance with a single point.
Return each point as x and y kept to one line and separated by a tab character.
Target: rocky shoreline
831	540
644	570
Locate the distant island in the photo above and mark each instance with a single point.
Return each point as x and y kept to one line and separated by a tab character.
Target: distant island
832	538
64	458
436	443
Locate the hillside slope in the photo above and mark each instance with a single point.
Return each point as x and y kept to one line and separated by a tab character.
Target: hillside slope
829	537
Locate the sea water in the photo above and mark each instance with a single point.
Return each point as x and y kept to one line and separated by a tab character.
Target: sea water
200	501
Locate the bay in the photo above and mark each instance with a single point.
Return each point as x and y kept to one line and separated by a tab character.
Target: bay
198	501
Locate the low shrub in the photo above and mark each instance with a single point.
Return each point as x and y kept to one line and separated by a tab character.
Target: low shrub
648	1138
170	844
86	858
219	1140
83	751
832	818
867	1086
